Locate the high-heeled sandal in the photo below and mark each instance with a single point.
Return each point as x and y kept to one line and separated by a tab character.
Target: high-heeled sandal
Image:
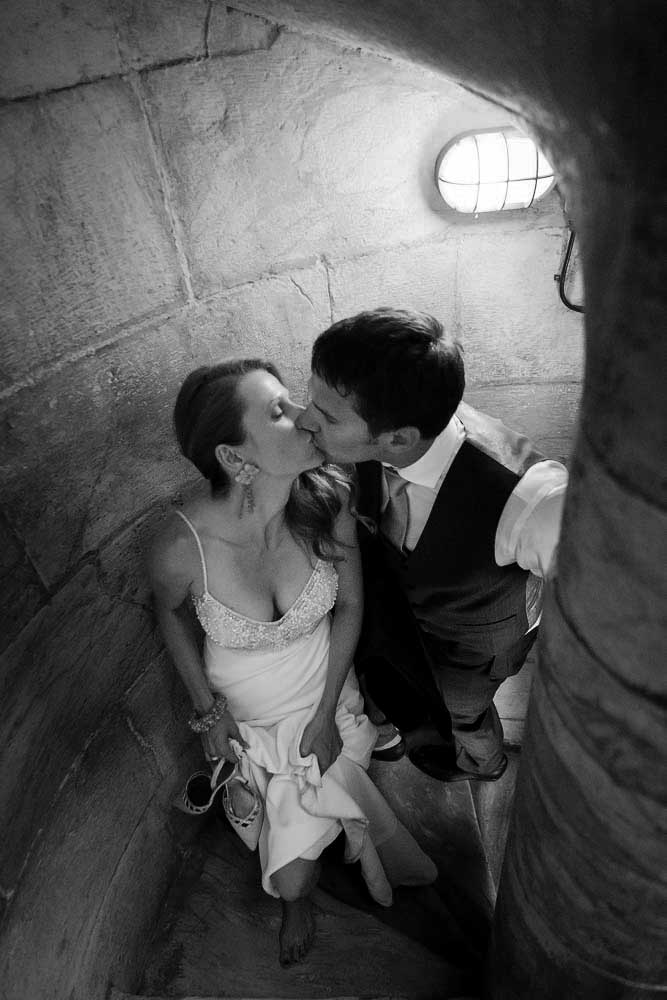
248	827
202	787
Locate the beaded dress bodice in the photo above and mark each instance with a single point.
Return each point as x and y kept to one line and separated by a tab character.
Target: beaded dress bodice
235	631
232	630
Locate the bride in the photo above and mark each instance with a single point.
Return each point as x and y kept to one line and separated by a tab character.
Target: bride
268	559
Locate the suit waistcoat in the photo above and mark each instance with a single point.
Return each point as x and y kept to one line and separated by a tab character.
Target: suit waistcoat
468	607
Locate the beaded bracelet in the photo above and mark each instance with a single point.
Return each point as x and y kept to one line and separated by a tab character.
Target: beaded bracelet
202	723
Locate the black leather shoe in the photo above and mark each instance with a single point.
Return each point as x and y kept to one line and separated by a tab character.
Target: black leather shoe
437	762
390	744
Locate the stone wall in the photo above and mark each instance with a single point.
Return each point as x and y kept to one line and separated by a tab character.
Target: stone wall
182	181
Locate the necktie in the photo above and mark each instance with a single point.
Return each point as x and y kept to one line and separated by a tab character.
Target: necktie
394	524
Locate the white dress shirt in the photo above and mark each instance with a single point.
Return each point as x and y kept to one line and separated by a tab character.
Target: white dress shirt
529	526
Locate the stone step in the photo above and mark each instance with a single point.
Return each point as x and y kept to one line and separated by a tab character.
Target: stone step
121	995
219	933
116	994
222	937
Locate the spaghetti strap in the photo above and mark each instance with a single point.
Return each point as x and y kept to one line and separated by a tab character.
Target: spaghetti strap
199	546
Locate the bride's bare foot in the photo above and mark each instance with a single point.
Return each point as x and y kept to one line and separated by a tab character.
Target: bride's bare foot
297	931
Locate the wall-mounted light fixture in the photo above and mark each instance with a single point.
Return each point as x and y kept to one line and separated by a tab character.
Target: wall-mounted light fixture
492	171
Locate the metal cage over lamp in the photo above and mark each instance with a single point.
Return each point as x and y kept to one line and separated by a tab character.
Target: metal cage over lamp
494	170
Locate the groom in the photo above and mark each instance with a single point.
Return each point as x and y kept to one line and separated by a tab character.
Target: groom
458	525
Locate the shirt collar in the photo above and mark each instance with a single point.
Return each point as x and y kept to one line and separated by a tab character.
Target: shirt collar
432	467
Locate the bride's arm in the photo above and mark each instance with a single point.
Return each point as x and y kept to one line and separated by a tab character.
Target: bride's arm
170	575
321	735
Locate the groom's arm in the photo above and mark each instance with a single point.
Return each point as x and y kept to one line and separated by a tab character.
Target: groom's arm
513	450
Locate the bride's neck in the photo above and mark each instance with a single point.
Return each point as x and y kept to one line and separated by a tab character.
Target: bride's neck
265	523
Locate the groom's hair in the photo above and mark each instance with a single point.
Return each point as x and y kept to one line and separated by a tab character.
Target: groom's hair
401	368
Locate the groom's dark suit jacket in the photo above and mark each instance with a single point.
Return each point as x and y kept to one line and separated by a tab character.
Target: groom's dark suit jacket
447	603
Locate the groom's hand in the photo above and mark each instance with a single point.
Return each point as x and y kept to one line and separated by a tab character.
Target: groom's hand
322	738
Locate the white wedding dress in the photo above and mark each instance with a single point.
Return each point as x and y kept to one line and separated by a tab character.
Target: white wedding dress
273	675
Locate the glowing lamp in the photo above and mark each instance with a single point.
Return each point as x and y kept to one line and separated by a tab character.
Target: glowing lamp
492	171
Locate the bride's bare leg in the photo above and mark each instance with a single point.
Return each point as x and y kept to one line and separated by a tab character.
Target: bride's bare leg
295	882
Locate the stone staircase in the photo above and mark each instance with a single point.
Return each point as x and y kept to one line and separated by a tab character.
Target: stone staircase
218	936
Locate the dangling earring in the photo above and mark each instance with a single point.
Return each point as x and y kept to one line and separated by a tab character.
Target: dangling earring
245	477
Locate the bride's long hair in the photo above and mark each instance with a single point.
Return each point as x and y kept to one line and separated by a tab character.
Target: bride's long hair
209	412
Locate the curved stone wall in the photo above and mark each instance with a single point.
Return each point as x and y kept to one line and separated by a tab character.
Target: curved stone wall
182	182
582	898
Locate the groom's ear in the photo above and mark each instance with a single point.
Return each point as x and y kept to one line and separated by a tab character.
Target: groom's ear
400	440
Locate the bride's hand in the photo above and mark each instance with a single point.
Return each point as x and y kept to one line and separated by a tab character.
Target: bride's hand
322	738
216	739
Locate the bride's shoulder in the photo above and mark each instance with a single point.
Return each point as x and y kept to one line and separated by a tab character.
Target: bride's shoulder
171	545
174	542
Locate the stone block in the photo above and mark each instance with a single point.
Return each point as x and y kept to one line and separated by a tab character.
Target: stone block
421	277
600	797
21	590
105	422
115	951
509	315
533	334
613	546
156	709
86	246
121	563
546	412
590	700
277	319
231	32
150	33
282	155
100	810
59	434
59	679
48	45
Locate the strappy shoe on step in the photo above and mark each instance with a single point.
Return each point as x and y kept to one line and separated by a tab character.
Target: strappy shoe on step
202	787
248	827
